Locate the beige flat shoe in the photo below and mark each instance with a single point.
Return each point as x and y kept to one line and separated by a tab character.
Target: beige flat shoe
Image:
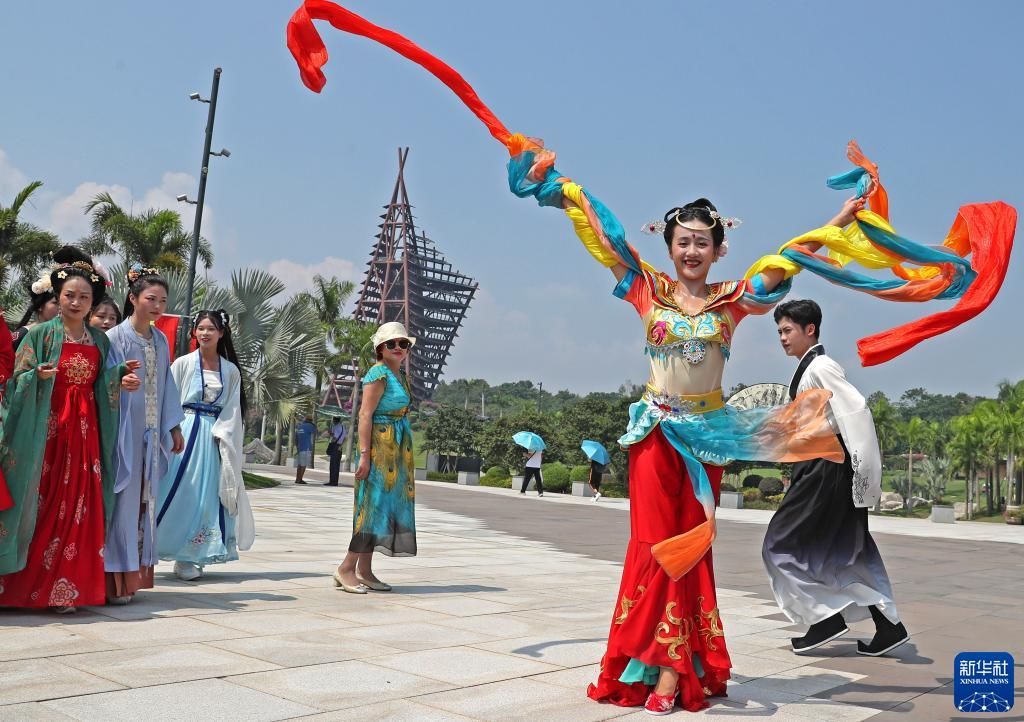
338	583
376	586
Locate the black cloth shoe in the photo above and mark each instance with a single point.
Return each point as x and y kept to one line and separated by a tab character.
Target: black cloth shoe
887	637
330	484
300	482
820	633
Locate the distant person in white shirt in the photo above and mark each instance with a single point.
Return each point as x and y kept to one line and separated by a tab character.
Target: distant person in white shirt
533	462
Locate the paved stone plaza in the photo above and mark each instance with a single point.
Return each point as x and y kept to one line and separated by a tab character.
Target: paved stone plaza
503	615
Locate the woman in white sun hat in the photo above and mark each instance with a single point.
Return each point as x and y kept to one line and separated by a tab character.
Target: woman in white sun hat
383	518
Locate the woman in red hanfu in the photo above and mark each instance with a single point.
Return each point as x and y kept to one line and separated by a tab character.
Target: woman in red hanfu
59	426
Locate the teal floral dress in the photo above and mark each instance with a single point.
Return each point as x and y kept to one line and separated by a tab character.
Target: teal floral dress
384	517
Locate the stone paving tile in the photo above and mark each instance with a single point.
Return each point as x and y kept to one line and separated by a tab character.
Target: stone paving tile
805	681
746	668
31	712
368	610
399	710
574	678
304	648
820	710
39	618
211	699
564	650
33	642
147	632
569	619
339	685
463	666
144	666
414	636
277	621
457	605
30	680
503	626
160	603
520	699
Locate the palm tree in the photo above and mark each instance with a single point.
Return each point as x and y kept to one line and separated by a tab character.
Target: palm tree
352	338
988	415
24	248
913	431
966	447
1011	399
153	237
887	425
327	300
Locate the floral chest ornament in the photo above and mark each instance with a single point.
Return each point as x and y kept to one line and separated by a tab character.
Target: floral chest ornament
688	337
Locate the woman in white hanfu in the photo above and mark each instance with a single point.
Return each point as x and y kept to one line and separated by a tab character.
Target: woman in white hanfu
204	515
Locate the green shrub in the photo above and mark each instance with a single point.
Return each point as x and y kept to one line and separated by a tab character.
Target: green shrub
441	476
769	486
775	499
556	477
497	472
750	481
614	490
499	483
728	487
579	473
750	495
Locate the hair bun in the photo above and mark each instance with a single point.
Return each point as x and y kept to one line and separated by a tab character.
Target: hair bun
701	203
67	255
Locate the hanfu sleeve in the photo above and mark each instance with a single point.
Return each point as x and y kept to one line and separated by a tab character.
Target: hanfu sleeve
850	415
6	355
636	289
228	431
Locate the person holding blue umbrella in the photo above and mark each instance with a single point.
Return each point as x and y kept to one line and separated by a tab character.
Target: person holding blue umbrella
599	459
534	446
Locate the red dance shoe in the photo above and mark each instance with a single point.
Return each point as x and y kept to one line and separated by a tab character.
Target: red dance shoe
659	705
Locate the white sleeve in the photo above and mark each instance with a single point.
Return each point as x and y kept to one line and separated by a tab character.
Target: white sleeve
852	418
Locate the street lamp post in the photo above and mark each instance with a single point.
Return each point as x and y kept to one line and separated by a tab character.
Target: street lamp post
191	279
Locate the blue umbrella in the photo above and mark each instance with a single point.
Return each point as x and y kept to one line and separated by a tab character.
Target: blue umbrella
595	451
529	441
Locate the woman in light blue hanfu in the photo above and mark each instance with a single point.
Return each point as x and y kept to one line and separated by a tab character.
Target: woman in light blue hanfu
204	515
148	434
384	514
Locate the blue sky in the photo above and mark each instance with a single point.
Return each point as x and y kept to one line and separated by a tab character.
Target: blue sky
649	105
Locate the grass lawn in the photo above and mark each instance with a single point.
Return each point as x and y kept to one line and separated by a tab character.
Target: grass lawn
762	472
255	481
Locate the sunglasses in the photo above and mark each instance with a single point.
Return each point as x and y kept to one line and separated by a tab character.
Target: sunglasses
401	343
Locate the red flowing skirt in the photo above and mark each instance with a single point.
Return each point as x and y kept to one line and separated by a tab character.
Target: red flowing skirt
64	567
6	502
660	622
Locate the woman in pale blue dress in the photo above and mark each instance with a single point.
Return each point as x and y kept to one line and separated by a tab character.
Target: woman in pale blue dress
149	435
383	517
204	515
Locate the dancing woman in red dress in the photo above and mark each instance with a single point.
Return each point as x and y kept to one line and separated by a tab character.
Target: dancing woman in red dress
58	433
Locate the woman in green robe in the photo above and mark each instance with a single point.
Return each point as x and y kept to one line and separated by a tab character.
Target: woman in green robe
58	426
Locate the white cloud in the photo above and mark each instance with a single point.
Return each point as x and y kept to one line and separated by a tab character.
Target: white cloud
297	277
64	214
12	180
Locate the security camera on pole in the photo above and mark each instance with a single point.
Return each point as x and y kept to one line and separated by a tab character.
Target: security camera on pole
198	203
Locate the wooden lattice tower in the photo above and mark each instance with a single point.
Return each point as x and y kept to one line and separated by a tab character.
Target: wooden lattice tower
407	279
